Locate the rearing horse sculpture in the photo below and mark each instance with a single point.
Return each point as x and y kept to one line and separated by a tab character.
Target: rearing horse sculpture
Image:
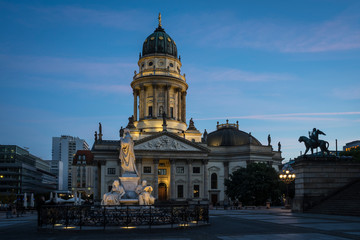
309	144
314	142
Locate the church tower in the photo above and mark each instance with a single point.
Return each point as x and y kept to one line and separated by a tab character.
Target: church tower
159	88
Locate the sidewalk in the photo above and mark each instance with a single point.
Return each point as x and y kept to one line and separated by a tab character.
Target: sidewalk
27	213
272	210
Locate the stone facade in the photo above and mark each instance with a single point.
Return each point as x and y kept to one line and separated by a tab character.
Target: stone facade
319	177
173	157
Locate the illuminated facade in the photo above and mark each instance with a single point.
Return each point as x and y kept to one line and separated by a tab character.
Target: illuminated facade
180	162
351	145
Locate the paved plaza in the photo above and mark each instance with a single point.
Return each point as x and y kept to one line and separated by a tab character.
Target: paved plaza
275	223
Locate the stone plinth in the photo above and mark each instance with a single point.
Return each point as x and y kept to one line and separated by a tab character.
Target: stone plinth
320	177
130	183
129	201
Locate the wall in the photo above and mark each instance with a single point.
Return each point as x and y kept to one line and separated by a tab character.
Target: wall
320	177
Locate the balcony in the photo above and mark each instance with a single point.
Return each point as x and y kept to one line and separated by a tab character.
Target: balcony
159	72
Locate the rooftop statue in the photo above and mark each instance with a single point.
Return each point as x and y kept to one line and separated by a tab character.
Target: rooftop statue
131	122
313	142
127	155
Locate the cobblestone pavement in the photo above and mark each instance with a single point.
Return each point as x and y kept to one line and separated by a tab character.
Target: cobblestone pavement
274	223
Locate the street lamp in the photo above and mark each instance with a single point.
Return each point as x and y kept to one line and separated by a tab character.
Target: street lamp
287	175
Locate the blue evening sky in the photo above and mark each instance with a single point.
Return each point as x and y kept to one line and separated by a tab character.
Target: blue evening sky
278	67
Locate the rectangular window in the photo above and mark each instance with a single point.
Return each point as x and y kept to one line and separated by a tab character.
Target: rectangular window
147	169
179	169
150	111
180	191
171	112
196	191
162	172
196	169
111	171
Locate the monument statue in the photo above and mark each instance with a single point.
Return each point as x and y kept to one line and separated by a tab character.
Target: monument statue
269	140
144	193
313	142
279	146
127	155
129	192
114	196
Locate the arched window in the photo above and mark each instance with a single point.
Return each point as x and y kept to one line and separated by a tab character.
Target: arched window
214	181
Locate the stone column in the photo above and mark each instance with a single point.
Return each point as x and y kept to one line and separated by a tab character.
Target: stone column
135	104
156	178
144	102
139	166
167	89
155	110
206	179
226	169
179	104
165	100
189	180
183	110
103	189
141	103
172	179
226	176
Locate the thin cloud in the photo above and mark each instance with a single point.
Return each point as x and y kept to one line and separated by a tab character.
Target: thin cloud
130	19
342	32
101	87
347	93
233	74
289	116
53	65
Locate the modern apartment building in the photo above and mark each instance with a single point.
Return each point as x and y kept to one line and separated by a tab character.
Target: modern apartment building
63	151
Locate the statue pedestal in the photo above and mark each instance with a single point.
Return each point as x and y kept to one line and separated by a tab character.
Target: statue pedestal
130	182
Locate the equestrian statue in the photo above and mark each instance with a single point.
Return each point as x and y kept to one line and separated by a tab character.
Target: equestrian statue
313	142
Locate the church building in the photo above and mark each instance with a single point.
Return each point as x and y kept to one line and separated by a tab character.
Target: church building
176	159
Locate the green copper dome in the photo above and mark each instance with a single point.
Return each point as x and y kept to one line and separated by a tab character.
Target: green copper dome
159	42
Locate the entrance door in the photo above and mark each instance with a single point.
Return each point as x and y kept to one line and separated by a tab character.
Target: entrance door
214	199
162	192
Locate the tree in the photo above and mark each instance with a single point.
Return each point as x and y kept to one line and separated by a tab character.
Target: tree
254	185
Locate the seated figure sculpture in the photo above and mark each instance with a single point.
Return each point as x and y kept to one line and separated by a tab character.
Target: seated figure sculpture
144	193
113	197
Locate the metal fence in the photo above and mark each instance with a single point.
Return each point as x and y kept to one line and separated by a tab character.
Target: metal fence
103	216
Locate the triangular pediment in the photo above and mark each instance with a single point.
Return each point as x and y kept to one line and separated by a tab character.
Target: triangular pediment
167	142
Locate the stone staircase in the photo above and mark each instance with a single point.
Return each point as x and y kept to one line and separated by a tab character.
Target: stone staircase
346	201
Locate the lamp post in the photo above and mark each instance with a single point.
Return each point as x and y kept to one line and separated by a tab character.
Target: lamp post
287	175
